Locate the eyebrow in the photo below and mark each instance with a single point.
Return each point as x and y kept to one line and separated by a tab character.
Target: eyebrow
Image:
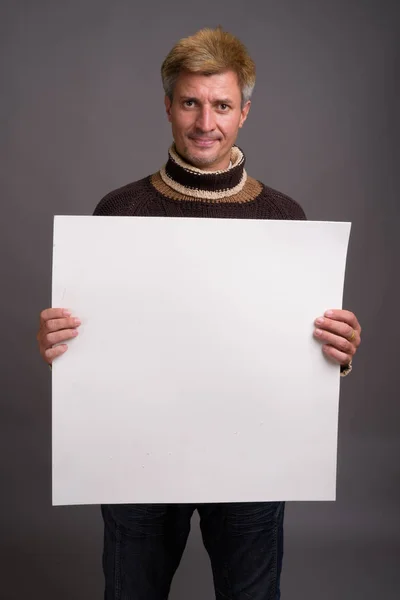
217	101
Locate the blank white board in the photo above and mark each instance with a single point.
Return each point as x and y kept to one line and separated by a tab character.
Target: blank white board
195	376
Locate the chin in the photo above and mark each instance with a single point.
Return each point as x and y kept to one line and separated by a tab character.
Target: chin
200	159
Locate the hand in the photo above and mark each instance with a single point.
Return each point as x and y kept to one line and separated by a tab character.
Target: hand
341	334
56	325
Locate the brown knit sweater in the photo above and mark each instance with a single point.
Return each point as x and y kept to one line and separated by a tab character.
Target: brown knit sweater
181	190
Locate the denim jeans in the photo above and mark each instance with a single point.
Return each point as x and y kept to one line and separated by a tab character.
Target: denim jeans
144	543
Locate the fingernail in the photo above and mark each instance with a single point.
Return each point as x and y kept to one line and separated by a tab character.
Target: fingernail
320	320
77	321
318	332
329	313
75	332
67	313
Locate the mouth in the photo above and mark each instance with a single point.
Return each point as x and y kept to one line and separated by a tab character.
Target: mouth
203	142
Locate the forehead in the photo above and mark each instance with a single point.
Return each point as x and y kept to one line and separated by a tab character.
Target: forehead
220	85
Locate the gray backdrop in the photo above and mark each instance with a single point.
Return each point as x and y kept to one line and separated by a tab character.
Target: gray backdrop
82	113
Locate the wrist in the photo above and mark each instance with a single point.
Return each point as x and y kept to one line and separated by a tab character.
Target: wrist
346	369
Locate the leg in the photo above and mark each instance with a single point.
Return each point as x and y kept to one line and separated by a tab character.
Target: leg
245	545
143	545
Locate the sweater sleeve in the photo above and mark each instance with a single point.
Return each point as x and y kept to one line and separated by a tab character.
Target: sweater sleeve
293	210
283	206
104	207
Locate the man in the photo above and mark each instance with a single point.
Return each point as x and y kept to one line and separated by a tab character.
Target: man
208	81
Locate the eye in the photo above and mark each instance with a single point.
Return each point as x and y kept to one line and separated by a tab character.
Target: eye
224	107
189	103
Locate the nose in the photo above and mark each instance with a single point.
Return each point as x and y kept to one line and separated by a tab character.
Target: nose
205	121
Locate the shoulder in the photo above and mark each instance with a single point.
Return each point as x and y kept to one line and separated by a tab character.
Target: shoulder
123	200
281	204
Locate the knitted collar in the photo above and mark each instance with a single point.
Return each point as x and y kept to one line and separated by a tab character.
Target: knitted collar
206	185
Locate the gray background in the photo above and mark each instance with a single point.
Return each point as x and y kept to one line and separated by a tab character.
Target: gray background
82	113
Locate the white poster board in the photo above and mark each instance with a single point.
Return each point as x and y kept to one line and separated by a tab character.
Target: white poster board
195	376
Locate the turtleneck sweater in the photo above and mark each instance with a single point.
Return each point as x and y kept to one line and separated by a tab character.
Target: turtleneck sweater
181	190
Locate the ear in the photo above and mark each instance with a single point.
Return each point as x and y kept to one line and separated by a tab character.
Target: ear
244	113
168	105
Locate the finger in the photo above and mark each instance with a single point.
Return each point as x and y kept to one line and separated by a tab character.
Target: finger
57	324
339	328
60	336
51	353
337	341
336	355
344	315
54	313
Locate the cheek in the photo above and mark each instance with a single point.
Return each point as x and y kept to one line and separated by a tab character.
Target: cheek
230	128
181	124
231	122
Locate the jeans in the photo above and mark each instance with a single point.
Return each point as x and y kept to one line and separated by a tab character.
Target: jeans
144	543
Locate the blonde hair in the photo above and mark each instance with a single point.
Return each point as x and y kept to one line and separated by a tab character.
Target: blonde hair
208	52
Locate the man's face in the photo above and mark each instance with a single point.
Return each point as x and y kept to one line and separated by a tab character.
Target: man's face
206	115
